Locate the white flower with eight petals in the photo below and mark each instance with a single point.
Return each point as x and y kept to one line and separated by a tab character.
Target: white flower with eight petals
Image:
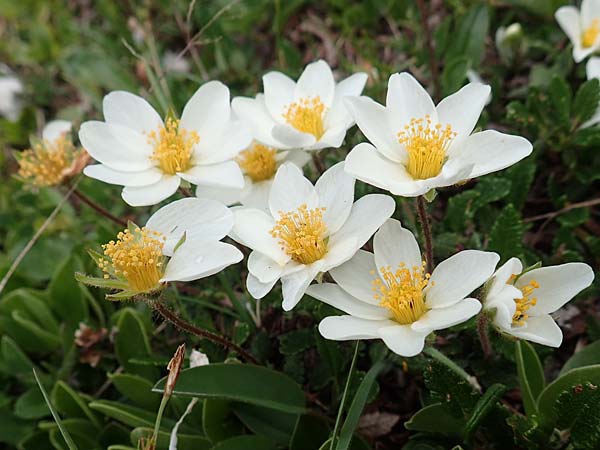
582	27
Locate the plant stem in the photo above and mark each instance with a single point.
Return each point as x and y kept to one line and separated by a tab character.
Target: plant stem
433	65
424	219
341	408
316	158
482	330
192	329
99	209
159	414
235	300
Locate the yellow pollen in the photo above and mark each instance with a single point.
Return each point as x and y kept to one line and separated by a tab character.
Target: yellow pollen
307	116
402	292
589	35
258	162
135	257
46	163
302	234
524	304
173	147
426	145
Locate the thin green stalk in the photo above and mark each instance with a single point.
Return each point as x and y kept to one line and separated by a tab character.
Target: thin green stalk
161	410
235	300
344	395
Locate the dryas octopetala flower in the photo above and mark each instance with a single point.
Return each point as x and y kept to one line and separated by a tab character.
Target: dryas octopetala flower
180	242
150	157
309	230
582	27
310	114
387	294
53	159
259	163
417	146
524	300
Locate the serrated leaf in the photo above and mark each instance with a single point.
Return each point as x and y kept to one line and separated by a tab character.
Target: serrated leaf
521	176
485	405
296	341
577	410
586	101
450	389
560	96
506	236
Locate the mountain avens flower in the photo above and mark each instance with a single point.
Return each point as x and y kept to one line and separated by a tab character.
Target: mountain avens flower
582	27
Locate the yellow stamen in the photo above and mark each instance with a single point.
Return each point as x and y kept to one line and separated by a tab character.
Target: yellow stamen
173	147
524	304
258	162
302	234
135	257
589	35
426	146
47	163
402	292
307	116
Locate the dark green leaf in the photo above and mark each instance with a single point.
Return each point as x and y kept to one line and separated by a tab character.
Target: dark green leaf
436	418
587	356
531	375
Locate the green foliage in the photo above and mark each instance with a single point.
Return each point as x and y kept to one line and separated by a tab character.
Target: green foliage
577	409
506	236
531	375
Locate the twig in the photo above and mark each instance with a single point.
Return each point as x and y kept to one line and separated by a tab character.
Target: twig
433	65
422	212
99	209
553	214
169	315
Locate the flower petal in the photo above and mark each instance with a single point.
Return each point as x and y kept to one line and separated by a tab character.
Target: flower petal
256	288
455	278
226	174
217	148
503	302
152	193
348	328
541	330
356	276
227	196
558	285
393	245
407	99
440	318
338	114
402	340
263	268
106	174
568	19
500	279
289	137
294	286
251	228
256	195
208	111
335	296
592	68
316	81
279	94
56	129
290	190
131	111
462	109
254	112
335	189
590	10
339	252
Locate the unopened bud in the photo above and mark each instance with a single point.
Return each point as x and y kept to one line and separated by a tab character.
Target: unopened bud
509	41
174	369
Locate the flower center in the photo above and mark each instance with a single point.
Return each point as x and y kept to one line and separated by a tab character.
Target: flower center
402	292
307	116
426	146
589	35
135	257
173	147
46	163
258	162
523	304
302	234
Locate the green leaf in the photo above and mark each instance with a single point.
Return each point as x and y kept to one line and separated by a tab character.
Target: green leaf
218	420
272	424
132	342
132	416
587	356
521	176
137	389
484	406
296	341
245	443
46	340
550	394
82	431
577	411
506	236
243	383
184	441
586	101
436	418
15	358
358	404
310	433
470	35
531	375
70	403
31	405
65	295
451	389
560	96
455	73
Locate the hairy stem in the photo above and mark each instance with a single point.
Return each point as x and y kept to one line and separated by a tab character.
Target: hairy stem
433	64
425	225
99	209
482	330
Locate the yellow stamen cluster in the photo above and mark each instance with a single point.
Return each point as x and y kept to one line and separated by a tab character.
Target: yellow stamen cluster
589	35
137	257
173	147
307	116
47	163
524	304
426	146
302	234
402	292
258	162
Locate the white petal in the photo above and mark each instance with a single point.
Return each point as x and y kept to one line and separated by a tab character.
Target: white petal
55	129
511	267
579	53
458	276
226	174
335	296
227	196
208	111
592	68
558	285
279	93
590	10
294	286
111	176
402	340
503	302
201	220
251	228
407	99
192	262
490	151
339	252
256	288
393	245
348	328
541	330
292	138
290	190
254	112
356	276
338	114
316	81
332	138
257	195
216	148
152	193
105	143
440	318
373	121
568	19
263	268
335	189
298	157
131	111
462	109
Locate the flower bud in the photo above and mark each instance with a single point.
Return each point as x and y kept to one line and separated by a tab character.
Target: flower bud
174	368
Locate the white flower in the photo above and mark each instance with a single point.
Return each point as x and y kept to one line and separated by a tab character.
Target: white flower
150	157
309	114
592	70
582	27
310	229
10	90
417	146
387	295
180	242
523	301
259	163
